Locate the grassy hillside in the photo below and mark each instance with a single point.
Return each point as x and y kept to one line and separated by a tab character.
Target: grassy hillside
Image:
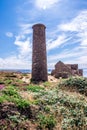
53	105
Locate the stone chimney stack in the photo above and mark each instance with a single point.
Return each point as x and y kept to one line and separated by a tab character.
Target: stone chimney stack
39	57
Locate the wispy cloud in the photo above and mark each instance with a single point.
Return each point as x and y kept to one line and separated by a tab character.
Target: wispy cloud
60	41
79	25
52	44
9	34
25	28
13	62
23	40
24	45
45	4
75	55
74	32
21	59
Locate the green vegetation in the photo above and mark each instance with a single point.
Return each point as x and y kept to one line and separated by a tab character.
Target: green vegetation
47	84
34	88
46	121
46	106
77	83
10	94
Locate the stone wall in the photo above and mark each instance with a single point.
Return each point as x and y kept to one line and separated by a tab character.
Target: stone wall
73	66
66	70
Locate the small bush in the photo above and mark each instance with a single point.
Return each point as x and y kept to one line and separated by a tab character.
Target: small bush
10	90
47	109
21	103
80	84
2	99
8	81
46	121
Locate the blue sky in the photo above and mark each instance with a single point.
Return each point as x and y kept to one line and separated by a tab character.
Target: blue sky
66	31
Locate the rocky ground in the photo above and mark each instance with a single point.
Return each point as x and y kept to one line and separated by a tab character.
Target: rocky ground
57	104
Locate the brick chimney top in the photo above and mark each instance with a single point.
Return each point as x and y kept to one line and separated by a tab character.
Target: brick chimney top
39	25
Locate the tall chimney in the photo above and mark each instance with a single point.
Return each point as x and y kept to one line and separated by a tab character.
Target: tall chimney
39	57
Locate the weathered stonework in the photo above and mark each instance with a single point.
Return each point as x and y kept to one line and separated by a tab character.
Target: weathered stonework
61	70
73	66
39	58
80	72
75	70
66	70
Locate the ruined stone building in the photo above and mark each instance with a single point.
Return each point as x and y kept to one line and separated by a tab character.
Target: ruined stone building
39	57
66	70
75	70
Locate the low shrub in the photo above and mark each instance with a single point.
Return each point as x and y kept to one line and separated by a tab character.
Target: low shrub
34	88
10	91
79	84
10	94
46	121
46	84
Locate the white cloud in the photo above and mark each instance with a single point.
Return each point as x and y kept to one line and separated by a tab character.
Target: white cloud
23	40
21	59
45	4
24	45
78	25
76	30
25	28
52	44
13	62
9	34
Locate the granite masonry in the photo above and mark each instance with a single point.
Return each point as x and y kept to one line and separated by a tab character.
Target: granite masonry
66	70
39	57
